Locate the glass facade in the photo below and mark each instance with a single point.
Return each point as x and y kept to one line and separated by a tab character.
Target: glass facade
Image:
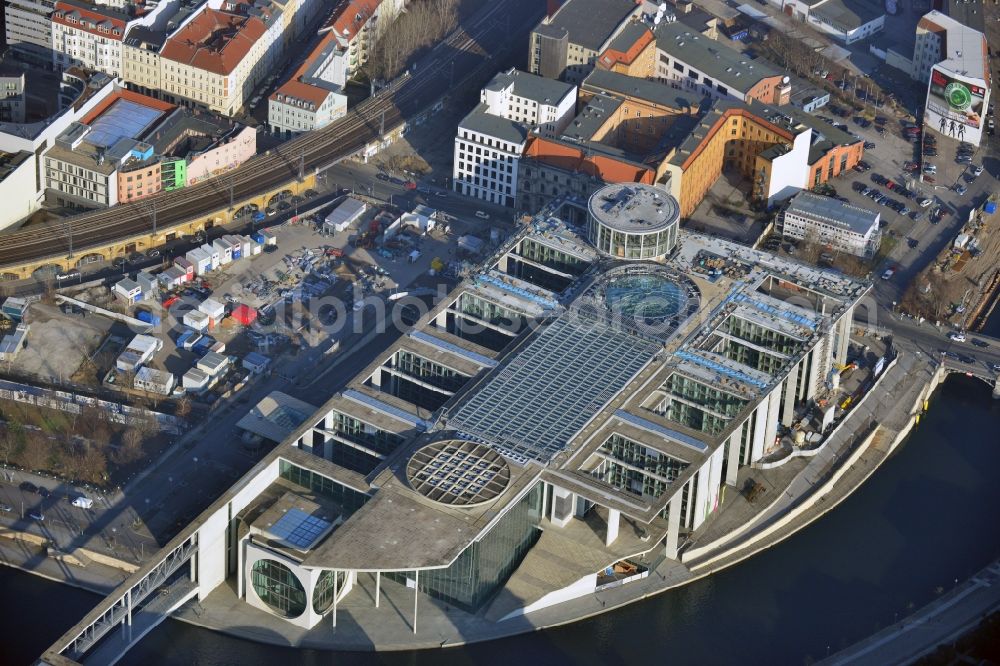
362	434
350	500
557	259
323	593
697	405
628	245
278	588
764	340
482	568
428	371
635	468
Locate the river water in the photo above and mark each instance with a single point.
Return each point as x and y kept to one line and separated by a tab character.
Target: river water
926	518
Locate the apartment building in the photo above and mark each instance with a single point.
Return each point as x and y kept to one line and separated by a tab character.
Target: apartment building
631	52
88	35
12	108
356	25
313	97
567	43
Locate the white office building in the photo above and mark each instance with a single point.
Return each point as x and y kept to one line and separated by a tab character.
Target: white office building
491	138
831	222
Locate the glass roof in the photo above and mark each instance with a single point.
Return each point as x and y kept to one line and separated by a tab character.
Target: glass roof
124	119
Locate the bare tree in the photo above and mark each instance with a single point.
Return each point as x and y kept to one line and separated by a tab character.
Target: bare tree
183	409
423	23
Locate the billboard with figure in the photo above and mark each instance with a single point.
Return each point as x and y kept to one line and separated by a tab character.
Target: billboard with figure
956	105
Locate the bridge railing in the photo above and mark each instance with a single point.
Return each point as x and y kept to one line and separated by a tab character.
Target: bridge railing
117	608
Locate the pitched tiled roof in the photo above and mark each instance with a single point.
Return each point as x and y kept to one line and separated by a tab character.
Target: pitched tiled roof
214	41
294	87
573	158
350	16
90	18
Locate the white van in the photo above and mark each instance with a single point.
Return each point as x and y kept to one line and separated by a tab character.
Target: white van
83	502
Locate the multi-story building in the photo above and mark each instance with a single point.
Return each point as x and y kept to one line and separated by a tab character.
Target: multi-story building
132	146
952	59
781	150
217	58
831	222
314	96
480	448
79	94
487	149
681	143
701	65
12	104
631	52
566	44
28	29
88	35
356	25
490	139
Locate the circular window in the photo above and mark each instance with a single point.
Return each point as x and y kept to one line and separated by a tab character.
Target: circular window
324	591
278	587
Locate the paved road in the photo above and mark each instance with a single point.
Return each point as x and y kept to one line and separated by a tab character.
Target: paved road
939	622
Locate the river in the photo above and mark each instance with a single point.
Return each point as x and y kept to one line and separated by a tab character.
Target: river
923	520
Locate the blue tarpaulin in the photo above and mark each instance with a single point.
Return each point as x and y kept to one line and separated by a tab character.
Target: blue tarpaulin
990	207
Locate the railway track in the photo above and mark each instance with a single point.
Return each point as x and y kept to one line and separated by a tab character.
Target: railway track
464	51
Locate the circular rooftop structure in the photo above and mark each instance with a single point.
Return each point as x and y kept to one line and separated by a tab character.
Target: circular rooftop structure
647	295
633	221
458	472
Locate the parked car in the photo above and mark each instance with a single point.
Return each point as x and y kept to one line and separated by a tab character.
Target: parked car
869	145
977	170
28	487
482	215
382	176
982	344
961	189
37	515
888	273
924	202
956	336
83	502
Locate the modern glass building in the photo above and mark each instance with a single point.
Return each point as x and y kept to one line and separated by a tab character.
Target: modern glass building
633	221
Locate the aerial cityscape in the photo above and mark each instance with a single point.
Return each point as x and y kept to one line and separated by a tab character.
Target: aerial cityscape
450	331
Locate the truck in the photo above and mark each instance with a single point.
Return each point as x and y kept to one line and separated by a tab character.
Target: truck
147	317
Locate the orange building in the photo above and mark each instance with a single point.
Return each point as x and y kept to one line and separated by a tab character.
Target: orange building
632	52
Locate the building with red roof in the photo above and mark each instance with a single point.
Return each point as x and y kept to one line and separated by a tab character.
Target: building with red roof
313	97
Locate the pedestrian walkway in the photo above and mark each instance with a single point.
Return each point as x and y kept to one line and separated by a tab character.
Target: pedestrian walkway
938	622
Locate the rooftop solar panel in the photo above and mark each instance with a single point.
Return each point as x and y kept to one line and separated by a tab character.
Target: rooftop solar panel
299	529
534	405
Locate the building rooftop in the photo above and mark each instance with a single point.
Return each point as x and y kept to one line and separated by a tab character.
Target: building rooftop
590	362
616	83
276	416
967	49
349	17
590	23
729	67
98	20
591	117
294	522
215	41
847	15
634	208
531	86
970	13
833	211
478	120
628	44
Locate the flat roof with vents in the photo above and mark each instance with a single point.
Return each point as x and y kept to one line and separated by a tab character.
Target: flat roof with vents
634	208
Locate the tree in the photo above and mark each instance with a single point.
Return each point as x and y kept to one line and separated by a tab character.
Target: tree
183	409
131	446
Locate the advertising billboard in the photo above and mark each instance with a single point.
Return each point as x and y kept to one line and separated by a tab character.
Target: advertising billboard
955	105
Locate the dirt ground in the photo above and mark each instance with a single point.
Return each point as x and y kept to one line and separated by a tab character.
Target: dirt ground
953	285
